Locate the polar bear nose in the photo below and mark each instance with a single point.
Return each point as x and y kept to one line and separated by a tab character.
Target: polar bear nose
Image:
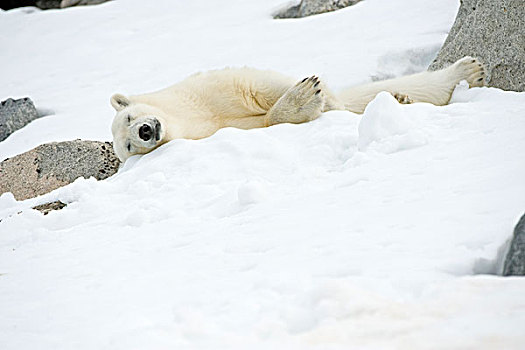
145	132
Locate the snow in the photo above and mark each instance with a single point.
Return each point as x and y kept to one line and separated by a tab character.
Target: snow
376	231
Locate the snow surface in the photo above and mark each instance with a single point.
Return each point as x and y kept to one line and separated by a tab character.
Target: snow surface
380	231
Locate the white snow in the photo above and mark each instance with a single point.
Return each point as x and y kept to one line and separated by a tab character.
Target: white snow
378	231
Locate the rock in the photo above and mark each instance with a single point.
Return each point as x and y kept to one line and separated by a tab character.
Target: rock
493	31
47	4
46	208
11	4
314	7
53	165
15	114
515	260
69	3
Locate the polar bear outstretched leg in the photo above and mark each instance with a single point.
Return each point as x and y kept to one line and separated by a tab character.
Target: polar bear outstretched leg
431	87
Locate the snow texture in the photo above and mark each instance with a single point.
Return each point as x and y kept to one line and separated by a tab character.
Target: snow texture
378	231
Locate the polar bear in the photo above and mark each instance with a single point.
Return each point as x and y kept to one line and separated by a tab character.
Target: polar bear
248	98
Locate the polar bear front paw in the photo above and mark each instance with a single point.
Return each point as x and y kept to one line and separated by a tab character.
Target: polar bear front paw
307	95
471	70
301	103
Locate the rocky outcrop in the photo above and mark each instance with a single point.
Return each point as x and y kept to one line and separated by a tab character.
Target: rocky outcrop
313	7
494	32
48	4
15	114
53	165
515	260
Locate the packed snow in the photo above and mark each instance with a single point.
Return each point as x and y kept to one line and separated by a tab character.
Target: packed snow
377	231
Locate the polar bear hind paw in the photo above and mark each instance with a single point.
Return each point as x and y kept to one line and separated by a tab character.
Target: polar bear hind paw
471	70
402	98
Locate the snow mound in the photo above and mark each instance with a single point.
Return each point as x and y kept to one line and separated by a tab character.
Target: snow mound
388	127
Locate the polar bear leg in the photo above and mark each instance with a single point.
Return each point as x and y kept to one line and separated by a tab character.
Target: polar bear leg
431	87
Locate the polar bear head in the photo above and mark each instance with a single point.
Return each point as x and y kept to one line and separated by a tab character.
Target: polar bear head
137	128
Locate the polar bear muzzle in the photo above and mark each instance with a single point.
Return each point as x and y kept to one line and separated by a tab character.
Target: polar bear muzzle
149	130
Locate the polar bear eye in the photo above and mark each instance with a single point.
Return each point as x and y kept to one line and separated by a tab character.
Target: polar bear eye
129	147
129	119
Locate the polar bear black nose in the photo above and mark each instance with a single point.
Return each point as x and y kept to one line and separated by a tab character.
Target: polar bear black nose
145	132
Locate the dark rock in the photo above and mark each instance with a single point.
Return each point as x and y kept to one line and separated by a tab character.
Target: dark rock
494	32
46	208
515	260
53	165
47	4
313	7
15	114
11	4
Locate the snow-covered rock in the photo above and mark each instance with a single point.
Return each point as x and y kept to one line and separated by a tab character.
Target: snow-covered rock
313	7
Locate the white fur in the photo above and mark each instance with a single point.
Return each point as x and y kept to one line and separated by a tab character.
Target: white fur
431	87
248	98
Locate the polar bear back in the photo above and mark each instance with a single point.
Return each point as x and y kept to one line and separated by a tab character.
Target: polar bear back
227	93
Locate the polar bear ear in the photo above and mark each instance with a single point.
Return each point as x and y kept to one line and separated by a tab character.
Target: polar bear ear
119	102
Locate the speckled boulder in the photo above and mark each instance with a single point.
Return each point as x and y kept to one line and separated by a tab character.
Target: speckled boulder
515	260
53	165
313	7
69	3
48	4
15	114
494	32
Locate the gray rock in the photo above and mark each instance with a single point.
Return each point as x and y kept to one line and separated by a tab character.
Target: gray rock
69	3
48	4
15	114
47	207
53	165
313	7
515	260
494	32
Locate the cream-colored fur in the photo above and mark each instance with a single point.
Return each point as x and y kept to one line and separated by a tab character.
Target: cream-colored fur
248	98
